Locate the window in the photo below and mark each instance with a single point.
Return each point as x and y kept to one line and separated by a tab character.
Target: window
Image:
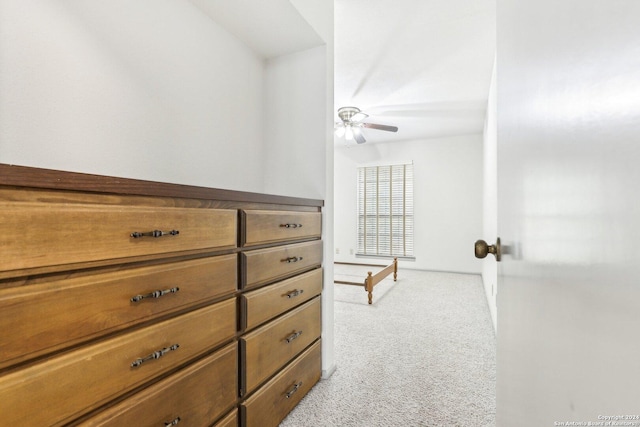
385	210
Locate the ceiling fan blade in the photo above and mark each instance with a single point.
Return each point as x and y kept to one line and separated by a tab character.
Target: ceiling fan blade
358	117
359	137
380	127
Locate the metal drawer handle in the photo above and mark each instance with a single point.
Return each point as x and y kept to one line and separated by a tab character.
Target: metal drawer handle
293	390
154	233
155	294
293	336
155	355
173	423
290	225
291	259
294	293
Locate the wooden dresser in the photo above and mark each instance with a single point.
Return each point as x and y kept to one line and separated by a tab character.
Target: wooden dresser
129	302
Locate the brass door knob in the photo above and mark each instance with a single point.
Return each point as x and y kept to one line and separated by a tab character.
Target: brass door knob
482	249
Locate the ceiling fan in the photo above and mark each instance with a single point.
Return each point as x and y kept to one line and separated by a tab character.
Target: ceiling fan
352	122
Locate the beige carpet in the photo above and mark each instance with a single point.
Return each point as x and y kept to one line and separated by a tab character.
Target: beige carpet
422	355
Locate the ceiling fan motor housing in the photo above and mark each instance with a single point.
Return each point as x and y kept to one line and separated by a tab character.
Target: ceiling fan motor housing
346	113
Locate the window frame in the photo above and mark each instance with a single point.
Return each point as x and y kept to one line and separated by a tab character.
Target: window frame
392	239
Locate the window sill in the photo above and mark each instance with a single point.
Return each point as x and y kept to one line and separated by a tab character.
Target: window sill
406	258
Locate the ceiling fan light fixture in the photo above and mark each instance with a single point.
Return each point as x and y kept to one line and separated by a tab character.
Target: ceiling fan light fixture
340	131
348	133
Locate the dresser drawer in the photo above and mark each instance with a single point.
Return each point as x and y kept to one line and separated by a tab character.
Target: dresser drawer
271	403
85	307
267	265
262	227
66	386
273	345
48	234
265	303
230	420
194	396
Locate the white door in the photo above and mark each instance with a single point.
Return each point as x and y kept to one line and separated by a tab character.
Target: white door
568	96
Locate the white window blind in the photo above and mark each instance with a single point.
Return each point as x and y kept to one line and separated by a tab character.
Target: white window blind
385	210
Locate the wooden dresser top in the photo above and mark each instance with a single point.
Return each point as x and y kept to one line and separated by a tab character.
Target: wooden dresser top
23	176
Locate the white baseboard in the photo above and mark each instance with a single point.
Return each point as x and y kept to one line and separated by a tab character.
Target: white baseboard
326	373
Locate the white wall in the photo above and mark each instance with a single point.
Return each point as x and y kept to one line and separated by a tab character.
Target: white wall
447	199
295	124
151	89
490	200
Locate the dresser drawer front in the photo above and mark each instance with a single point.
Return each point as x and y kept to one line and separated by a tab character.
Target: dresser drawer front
271	403
46	234
262	227
230	420
66	386
196	395
268	265
265	303
270	347
85	307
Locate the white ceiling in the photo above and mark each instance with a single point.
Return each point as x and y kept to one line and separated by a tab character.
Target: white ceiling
422	65
269	27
